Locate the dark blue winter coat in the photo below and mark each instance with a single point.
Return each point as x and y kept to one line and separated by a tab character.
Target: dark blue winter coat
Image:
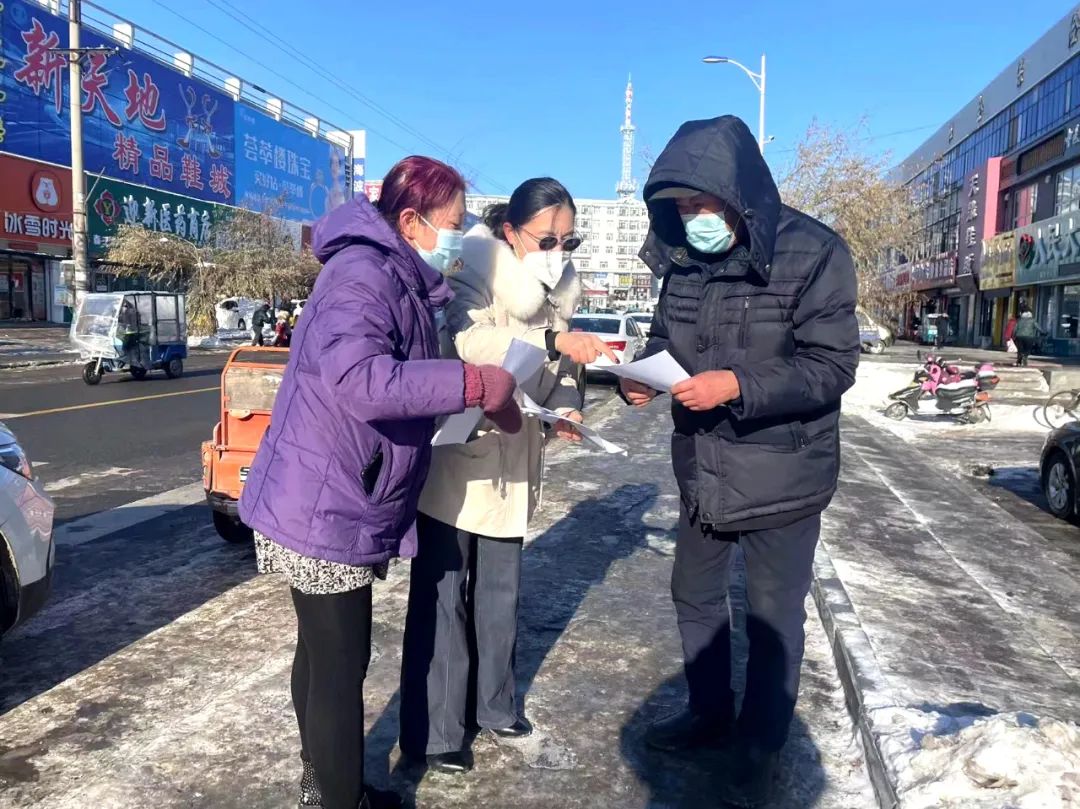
778	310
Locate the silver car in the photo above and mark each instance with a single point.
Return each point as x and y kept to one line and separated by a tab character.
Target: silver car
26	536
620	332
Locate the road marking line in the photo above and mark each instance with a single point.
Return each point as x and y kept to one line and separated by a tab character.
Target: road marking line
50	411
96	526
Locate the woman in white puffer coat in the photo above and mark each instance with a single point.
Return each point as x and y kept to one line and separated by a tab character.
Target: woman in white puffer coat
517	283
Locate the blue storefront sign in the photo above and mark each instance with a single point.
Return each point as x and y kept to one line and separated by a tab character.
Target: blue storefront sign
142	121
286	169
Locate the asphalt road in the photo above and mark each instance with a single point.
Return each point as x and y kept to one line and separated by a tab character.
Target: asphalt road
101	447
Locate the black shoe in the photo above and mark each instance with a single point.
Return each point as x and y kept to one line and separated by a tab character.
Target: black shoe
751	773
519	730
687	731
453	763
309	787
380	799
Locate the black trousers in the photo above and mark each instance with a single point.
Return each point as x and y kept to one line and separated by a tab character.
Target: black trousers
1024	347
333	648
460	634
779	564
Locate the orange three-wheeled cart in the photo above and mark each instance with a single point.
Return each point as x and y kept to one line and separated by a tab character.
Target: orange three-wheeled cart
249	385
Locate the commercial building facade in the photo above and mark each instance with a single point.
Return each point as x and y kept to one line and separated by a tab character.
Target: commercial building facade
998	191
607	262
170	142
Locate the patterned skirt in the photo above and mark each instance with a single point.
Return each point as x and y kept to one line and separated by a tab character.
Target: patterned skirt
313	576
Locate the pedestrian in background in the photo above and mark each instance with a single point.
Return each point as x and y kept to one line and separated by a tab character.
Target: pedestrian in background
1027	335
282	330
758	305
259	321
332	492
517	282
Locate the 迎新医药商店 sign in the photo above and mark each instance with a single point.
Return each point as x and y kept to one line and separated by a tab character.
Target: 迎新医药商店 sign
112	204
150	124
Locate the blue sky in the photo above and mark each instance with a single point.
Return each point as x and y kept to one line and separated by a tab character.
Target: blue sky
518	90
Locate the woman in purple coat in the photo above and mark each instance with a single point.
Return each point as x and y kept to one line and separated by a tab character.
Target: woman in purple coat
333	490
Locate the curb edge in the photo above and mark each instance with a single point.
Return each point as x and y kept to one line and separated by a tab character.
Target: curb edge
864	684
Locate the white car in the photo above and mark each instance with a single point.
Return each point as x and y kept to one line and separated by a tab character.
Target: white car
644	322
234	314
26	536
620	332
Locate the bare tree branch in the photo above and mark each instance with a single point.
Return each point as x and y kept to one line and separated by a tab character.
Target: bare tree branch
253	255
833	180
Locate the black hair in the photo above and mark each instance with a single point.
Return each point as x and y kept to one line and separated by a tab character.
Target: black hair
528	199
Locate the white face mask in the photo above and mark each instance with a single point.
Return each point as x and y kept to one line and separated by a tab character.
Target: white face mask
546	266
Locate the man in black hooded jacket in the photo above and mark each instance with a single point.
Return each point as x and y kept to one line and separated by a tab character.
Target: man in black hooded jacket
758	305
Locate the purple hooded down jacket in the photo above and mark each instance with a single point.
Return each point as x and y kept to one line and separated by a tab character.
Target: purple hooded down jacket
340	470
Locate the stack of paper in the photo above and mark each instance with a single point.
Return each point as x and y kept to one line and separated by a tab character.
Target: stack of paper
523	361
531	408
660	371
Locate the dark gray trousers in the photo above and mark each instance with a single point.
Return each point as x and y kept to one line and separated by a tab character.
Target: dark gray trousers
460	634
779	566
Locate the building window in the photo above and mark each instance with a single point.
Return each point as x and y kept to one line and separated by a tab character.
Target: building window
610	249
1068	190
603	265
1068	325
1024	205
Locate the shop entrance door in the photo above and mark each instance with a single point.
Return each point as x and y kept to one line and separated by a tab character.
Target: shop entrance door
19	284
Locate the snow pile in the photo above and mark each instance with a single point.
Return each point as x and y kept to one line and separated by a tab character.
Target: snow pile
223	339
1003	761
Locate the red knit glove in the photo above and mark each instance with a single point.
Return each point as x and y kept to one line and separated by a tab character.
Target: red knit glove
492	390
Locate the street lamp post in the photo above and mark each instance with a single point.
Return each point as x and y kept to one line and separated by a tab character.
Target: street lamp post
759	82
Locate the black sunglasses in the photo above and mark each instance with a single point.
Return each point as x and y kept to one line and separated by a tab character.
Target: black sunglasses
570	242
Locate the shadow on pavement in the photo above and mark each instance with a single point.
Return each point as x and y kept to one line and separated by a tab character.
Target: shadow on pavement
692	779
558	571
111	592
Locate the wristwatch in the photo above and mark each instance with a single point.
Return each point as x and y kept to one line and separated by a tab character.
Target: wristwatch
549	342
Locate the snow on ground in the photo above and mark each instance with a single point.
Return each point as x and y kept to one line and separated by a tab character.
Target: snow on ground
1005	761
223	339
870	396
964	760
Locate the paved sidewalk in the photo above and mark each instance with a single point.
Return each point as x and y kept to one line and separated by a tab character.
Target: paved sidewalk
35	344
198	714
943	605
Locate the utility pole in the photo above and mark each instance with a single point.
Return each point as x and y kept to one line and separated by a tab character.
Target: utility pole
78	174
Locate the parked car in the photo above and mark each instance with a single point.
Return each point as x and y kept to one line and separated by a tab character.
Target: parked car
1058	470
620	332
26	536
234	314
249	386
644	322
874	336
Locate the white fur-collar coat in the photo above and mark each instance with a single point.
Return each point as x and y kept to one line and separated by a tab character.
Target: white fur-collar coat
491	485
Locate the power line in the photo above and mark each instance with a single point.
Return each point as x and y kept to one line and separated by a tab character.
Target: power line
267	35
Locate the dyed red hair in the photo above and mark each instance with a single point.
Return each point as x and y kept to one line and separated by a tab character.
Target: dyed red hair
421	183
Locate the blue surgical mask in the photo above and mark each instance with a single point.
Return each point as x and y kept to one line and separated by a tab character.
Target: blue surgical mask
446	256
708	232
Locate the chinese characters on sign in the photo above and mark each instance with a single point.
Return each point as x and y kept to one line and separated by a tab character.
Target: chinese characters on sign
936	272
32	226
286	170
143	120
35	205
115	204
149	123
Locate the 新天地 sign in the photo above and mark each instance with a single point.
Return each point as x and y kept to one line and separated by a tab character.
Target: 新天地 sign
149	123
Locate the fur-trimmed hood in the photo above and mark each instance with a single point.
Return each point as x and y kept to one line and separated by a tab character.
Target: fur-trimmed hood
514	288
